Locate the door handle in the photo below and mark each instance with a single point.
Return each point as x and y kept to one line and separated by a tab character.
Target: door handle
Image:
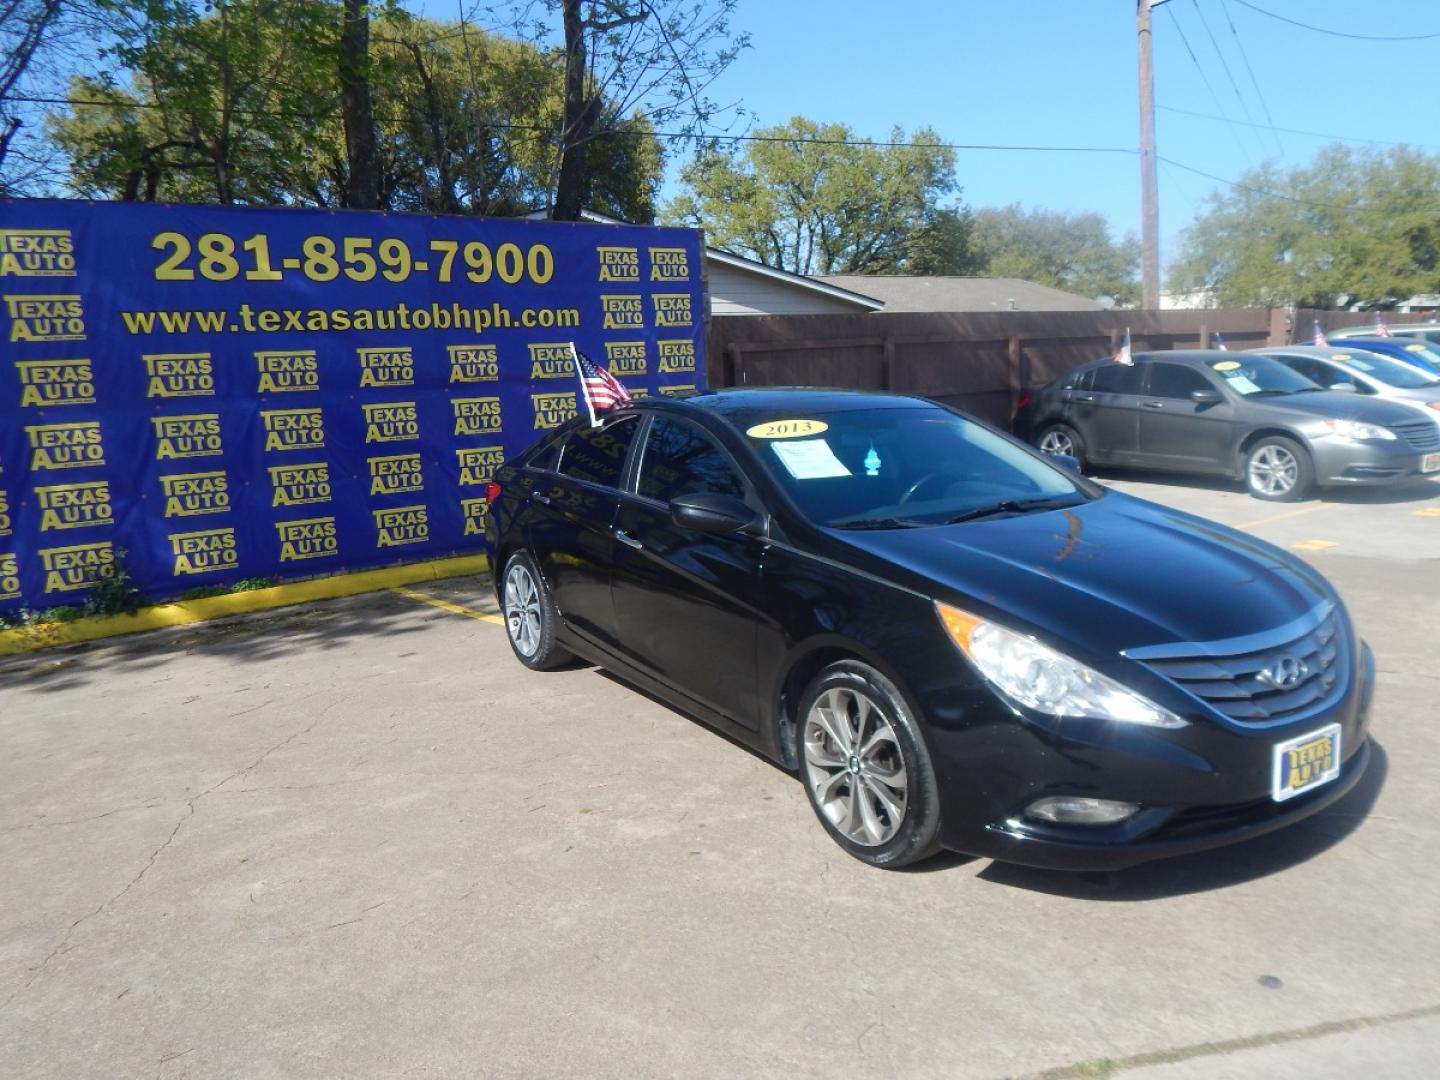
1154	404
540	497
1084	397
628	540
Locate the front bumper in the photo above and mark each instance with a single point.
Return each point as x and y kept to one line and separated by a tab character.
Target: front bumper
1339	463
1203	787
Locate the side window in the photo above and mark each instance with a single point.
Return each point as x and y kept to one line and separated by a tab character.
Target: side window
682	460
1174	381
598	454
548	456
1083	381
1117	379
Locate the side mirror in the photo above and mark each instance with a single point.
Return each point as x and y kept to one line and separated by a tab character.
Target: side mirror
1065	461
709	512
1344	387
1206	397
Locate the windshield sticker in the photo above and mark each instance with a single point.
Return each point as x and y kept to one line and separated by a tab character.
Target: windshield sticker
787	429
1226	365
1341	356
1241	384
809	459
1414	348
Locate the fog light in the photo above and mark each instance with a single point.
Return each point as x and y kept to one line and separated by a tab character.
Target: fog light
1075	810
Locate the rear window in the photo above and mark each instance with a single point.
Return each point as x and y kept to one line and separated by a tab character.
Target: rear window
597	455
1117	379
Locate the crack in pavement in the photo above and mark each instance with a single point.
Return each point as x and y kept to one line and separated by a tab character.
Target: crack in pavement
149	803
189	813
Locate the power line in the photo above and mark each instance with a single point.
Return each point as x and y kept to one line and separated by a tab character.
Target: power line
1297	131
1351	209
1259	96
1205	79
1338	33
717	136
1224	66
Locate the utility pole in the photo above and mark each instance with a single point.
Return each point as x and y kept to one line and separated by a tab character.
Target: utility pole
1149	193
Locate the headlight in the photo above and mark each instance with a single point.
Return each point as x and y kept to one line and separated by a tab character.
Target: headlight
1354	429
1042	679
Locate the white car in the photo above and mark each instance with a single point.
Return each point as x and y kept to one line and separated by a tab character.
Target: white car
1338	368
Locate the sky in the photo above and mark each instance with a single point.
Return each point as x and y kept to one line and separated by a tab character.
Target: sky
1064	73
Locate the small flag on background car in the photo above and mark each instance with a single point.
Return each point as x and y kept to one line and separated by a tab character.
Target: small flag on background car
1319	335
1219	341
1381	330
598	387
1123	356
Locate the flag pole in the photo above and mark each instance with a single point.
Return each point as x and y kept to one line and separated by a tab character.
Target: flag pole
580	374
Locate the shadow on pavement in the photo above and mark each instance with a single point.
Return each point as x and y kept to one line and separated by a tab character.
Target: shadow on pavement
1217	869
257	638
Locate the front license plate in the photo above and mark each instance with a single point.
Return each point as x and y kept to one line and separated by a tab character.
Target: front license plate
1430	463
1306	762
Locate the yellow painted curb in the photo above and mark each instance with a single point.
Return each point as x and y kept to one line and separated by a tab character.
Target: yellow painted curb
25	639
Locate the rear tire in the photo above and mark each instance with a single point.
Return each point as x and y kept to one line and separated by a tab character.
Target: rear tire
531	618
1278	469
865	767
1062	439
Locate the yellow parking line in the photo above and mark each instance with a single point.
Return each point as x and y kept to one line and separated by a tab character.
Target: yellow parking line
1285	516
446	605
1313	545
1429	511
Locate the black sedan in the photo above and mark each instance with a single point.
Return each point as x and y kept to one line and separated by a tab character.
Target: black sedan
1239	415
955	640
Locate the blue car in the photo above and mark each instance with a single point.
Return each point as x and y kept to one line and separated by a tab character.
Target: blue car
1424	355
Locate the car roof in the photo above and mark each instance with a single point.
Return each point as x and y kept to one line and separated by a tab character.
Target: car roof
1189	357
1335	353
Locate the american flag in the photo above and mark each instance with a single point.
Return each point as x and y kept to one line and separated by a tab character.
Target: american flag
1219	341
1381	330
1319	335
600	389
1123	356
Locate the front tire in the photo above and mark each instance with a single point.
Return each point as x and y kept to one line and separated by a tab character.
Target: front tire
1278	469
1062	439
531	618
865	767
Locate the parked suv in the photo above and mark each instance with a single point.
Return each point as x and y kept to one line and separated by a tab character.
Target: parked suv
1229	414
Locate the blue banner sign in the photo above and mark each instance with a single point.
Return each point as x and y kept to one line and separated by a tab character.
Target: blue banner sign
205	394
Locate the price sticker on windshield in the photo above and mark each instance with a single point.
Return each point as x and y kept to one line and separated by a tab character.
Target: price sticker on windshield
1227	365
787	429
1414	348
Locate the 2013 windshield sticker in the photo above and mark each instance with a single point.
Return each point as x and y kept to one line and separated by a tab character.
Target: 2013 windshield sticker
787	429
809	459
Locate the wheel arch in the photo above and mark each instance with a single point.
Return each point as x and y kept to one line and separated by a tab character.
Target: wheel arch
806	661
1270	431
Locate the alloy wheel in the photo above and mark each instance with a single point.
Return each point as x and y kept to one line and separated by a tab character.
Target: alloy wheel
522	610
855	767
1057	442
1273	470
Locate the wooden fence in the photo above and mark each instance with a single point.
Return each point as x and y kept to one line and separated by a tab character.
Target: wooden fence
980	362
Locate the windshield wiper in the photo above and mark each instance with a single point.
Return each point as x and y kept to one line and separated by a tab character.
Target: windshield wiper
1015	506
878	523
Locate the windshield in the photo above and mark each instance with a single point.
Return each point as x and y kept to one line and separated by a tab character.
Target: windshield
1384	369
899	467
1261	375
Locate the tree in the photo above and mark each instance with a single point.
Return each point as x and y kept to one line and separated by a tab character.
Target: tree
814	199
363	189
1352	226
23	26
461	118
656	57
1070	251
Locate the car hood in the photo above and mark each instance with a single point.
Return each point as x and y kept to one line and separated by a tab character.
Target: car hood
1335	405
1108	575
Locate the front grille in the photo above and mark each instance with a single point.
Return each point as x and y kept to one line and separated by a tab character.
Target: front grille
1421	434
1260	679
